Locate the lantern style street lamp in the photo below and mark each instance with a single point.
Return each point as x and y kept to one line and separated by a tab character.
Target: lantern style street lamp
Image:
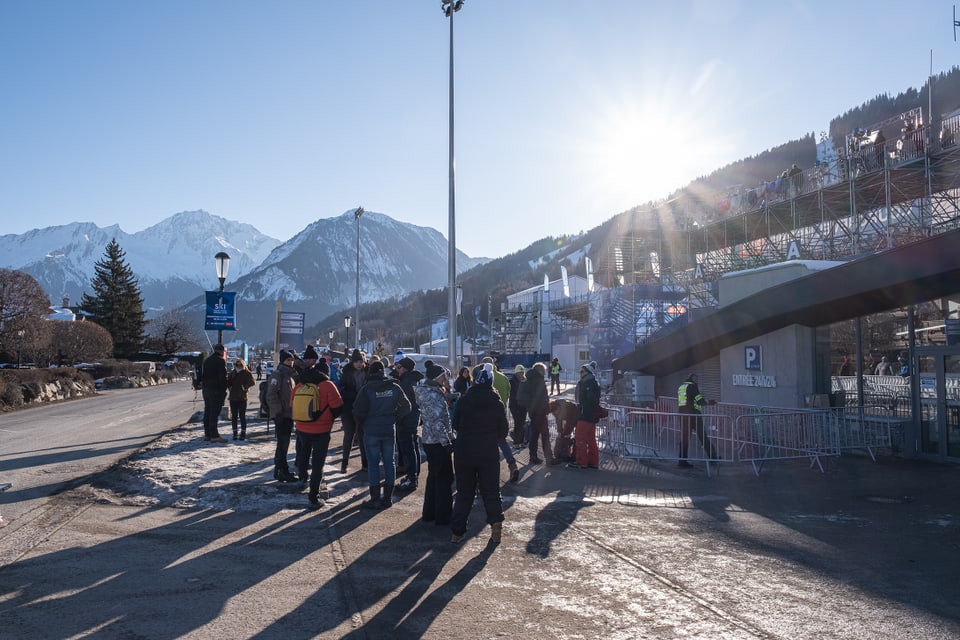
223	266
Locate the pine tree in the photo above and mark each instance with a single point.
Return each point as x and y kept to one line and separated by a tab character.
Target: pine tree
116	303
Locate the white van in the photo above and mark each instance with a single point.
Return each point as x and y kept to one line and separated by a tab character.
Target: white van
145	366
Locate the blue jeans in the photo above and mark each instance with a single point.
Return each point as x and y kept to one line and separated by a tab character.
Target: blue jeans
507	451
381	449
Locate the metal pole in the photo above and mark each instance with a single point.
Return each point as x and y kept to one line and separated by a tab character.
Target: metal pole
452	249
356	309
220	331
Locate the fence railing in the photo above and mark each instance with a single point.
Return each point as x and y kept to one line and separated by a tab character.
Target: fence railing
729	433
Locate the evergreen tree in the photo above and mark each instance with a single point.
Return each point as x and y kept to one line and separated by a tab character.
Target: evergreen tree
116	303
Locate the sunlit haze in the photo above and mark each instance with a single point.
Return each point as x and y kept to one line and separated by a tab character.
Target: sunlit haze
567	112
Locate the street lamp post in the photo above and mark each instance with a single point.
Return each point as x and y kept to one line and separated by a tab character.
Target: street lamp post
330	335
223	266
449	8
346	325
356	310
20	333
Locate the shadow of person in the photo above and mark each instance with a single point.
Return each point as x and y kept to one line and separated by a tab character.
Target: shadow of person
553	520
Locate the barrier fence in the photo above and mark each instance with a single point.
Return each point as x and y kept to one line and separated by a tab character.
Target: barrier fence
734	433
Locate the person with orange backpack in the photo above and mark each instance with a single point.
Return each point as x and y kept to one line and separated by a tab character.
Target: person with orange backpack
315	404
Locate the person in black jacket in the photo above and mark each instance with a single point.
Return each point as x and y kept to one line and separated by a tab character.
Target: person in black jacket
533	397
408	445
479	421
213	381
352	379
379	406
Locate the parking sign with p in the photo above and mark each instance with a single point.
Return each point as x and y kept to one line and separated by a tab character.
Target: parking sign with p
753	358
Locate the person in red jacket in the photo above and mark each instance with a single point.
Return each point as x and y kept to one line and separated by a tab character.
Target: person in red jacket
313	438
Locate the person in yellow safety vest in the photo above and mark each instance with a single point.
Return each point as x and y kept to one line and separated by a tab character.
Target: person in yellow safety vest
691	405
555	370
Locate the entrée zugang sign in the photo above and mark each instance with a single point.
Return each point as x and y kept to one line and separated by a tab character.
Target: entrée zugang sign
749	380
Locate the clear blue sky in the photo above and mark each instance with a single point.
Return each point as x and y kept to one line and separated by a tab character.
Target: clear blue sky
280	113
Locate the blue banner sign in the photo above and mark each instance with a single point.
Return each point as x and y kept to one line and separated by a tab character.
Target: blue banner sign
221	311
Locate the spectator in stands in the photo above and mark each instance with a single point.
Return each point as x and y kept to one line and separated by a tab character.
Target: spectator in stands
879	149
796	179
904	366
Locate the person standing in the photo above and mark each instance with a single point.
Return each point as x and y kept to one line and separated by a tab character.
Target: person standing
239	382
380	404
502	386
535	400
463	381
259	371
587	395
691	406
555	370
517	412
313	436
480	422
213	382
432	398
407	443
279	394
352	379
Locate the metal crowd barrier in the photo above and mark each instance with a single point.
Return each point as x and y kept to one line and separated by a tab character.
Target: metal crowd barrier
733	433
867	428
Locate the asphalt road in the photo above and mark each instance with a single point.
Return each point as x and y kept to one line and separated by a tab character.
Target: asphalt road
46	449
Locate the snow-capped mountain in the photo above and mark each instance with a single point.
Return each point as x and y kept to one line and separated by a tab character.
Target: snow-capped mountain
173	260
315	271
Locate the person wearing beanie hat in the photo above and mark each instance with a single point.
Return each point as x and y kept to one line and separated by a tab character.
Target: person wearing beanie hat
310	353
408	448
313	436
379	406
437	439
587	396
502	386
485	375
352	379
480	422
435	371
279	394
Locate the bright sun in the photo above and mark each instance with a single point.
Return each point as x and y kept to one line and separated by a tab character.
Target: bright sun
641	148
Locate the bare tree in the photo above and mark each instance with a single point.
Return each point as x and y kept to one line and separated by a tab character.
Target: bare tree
172	332
81	341
23	309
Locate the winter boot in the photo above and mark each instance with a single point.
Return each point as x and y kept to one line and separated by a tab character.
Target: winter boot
387	501
514	472
234	434
243	434
374	501
496	532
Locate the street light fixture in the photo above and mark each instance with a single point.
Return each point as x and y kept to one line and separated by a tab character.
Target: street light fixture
449	8
223	266
20	333
330	335
356	310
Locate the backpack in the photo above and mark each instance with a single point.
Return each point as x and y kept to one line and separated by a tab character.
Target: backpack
306	403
